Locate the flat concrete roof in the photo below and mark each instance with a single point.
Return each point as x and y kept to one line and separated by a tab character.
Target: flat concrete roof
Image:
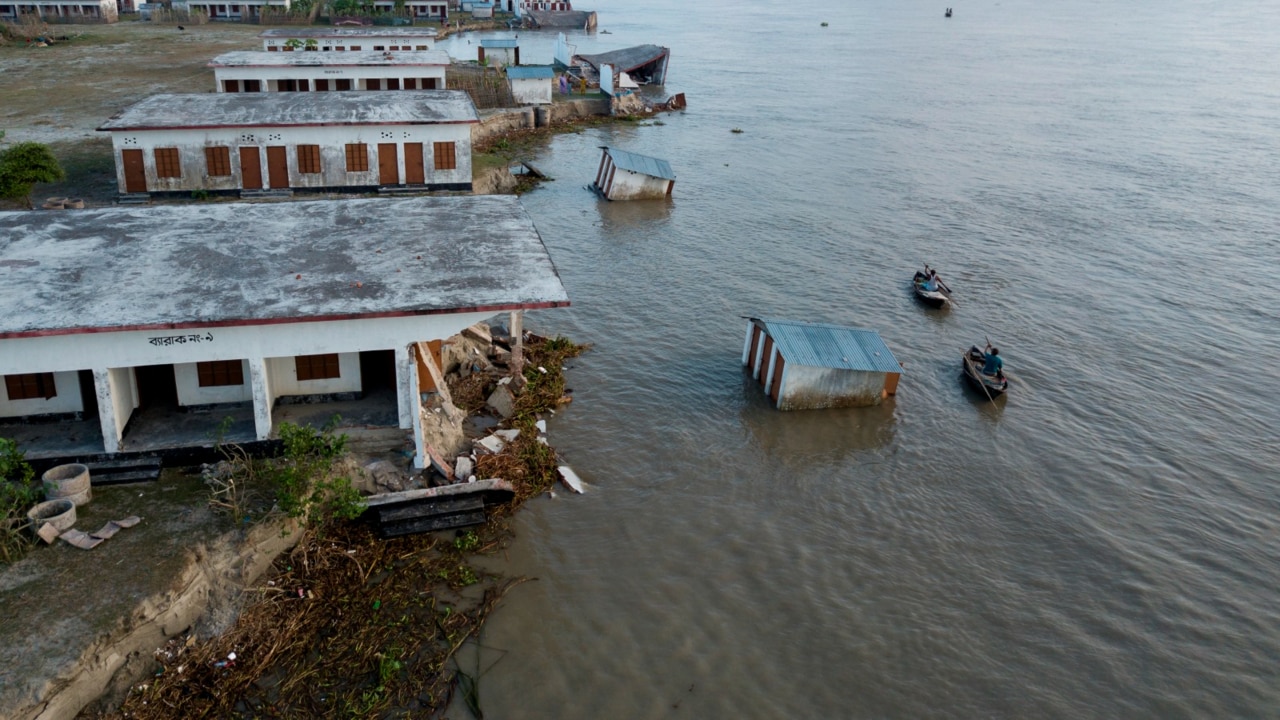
348	32
285	109
226	264
244	58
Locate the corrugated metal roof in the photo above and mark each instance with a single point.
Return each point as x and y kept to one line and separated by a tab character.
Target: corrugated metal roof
641	163
499	43
348	33
248	58
277	109
526	72
833	346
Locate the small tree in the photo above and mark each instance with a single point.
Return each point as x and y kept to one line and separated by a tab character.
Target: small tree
24	165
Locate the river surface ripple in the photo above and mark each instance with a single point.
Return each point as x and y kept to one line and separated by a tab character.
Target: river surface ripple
1099	183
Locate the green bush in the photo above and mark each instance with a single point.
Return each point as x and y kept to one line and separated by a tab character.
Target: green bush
17	494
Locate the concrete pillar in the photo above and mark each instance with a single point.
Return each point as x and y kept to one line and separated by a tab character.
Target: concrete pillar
262	400
517	342
106	410
406	386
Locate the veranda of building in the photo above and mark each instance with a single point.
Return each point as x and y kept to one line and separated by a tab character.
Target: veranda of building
238	10
105	11
118	324
327	72
349	39
228	142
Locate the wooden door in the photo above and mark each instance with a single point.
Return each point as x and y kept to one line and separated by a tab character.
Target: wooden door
277	167
776	386
414	170
135	173
250	168
388	164
765	357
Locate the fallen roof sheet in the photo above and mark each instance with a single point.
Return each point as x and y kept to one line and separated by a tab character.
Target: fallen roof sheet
249	58
831	346
203	110
627	59
217	264
499	43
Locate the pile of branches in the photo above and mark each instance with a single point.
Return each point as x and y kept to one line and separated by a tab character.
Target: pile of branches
353	626
349	626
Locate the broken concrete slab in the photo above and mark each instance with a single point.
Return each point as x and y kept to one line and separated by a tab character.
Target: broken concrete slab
508	434
571	479
502	401
463	468
490	445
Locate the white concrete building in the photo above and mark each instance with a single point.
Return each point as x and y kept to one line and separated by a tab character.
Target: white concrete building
352	39
326	72
417	9
116	320
628	176
229	142
531	84
88	11
238	10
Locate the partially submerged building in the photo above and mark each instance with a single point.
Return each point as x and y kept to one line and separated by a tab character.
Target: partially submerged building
244	71
626	175
358	39
645	64
120	326
85	11
806	366
230	142
531	84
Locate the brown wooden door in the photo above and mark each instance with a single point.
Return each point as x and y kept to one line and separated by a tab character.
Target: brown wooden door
414	171
765	357
388	164
277	167
135	173
250	168
776	386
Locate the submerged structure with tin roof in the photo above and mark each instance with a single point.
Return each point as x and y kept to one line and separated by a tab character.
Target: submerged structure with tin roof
626	175
806	365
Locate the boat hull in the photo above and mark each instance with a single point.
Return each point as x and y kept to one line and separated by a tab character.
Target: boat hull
972	362
932	298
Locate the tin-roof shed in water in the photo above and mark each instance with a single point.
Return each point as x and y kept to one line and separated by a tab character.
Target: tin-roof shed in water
629	176
808	365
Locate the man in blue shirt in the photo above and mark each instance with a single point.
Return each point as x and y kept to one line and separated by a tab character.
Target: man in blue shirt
994	363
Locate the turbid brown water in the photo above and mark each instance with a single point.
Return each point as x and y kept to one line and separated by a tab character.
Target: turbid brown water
1098	183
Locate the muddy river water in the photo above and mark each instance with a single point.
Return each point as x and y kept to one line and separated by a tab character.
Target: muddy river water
1099	184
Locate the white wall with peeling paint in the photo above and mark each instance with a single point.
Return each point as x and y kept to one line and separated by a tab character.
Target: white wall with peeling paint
66	400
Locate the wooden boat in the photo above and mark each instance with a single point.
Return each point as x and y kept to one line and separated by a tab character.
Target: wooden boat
991	385
932	298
